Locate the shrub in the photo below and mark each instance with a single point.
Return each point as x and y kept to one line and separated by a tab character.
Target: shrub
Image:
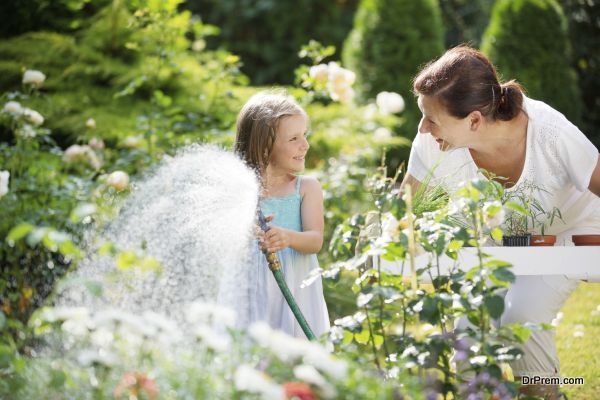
527	40
389	41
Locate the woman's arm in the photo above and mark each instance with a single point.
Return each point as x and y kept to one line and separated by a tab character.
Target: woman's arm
595	179
310	240
409	180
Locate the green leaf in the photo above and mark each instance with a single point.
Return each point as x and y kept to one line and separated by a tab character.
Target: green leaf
496	234
504	274
521	333
362	337
516	207
2	321
455	245
19	232
495	305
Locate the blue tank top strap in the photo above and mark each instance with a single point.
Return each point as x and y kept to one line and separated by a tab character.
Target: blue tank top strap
298	184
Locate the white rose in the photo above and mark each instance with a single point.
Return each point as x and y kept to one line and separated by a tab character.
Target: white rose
13	108
74	153
198	45
340	92
26	131
33	78
118	180
390	102
4	178
319	73
132	141
96	143
250	380
382	134
339	75
90	123
35	117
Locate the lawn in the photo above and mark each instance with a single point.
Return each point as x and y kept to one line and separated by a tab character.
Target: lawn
580	354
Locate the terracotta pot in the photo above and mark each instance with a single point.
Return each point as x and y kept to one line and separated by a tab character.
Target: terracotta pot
545	240
586	240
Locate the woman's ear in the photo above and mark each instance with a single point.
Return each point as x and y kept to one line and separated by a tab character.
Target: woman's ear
475	120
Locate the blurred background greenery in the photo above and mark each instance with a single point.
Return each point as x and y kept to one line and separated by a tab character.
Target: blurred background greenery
155	75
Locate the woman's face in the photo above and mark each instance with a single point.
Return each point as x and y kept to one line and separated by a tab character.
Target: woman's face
448	131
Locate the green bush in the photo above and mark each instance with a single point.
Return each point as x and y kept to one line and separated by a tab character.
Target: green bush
465	20
268	34
528	41
584	31
391	39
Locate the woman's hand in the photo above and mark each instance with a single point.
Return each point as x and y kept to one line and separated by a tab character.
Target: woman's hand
275	239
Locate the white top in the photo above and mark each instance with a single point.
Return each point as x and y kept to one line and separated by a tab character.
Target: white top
559	159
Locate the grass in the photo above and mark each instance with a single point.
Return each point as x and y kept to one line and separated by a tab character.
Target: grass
580	356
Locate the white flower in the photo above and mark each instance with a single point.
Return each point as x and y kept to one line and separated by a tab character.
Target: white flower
33	78
74	153
390	226
478	360
250	380
96	143
132	142
26	131
370	111
4	179
340	83
389	102
493	214
198	45
90	123
13	108
35	117
339	75
88	358
118	180
214	314
317	356
212	339
285	347
309	374
320	73
382	133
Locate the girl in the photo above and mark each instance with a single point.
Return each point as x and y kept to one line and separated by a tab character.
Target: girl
271	138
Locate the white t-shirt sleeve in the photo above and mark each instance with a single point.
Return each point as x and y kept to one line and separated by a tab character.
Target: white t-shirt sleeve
578	156
418	162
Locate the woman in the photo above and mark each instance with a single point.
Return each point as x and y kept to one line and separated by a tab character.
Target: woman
471	121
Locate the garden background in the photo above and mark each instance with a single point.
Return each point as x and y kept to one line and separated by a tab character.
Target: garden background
126	82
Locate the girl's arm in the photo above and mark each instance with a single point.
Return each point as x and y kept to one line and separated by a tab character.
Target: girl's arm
310	240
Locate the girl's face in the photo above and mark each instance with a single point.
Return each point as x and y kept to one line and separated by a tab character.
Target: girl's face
290	145
448	131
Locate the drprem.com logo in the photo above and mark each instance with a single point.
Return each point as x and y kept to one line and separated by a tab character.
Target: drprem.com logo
551	380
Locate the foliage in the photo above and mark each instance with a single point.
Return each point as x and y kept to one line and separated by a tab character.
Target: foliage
115	354
402	325
390	40
268	34
584	29
528	40
465	20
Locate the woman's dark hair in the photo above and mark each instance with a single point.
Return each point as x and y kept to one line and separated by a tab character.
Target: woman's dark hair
464	80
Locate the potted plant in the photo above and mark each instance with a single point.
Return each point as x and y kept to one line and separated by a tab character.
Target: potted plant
527	215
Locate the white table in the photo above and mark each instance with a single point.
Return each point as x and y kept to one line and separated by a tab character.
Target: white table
576	262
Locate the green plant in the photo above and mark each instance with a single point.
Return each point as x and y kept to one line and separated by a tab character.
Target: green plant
528	40
527	215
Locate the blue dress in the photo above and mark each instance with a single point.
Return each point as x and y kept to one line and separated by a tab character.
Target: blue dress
267	302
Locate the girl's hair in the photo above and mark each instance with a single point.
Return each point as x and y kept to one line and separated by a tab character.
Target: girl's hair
257	125
464	80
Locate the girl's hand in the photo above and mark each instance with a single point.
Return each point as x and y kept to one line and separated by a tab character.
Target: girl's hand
276	239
